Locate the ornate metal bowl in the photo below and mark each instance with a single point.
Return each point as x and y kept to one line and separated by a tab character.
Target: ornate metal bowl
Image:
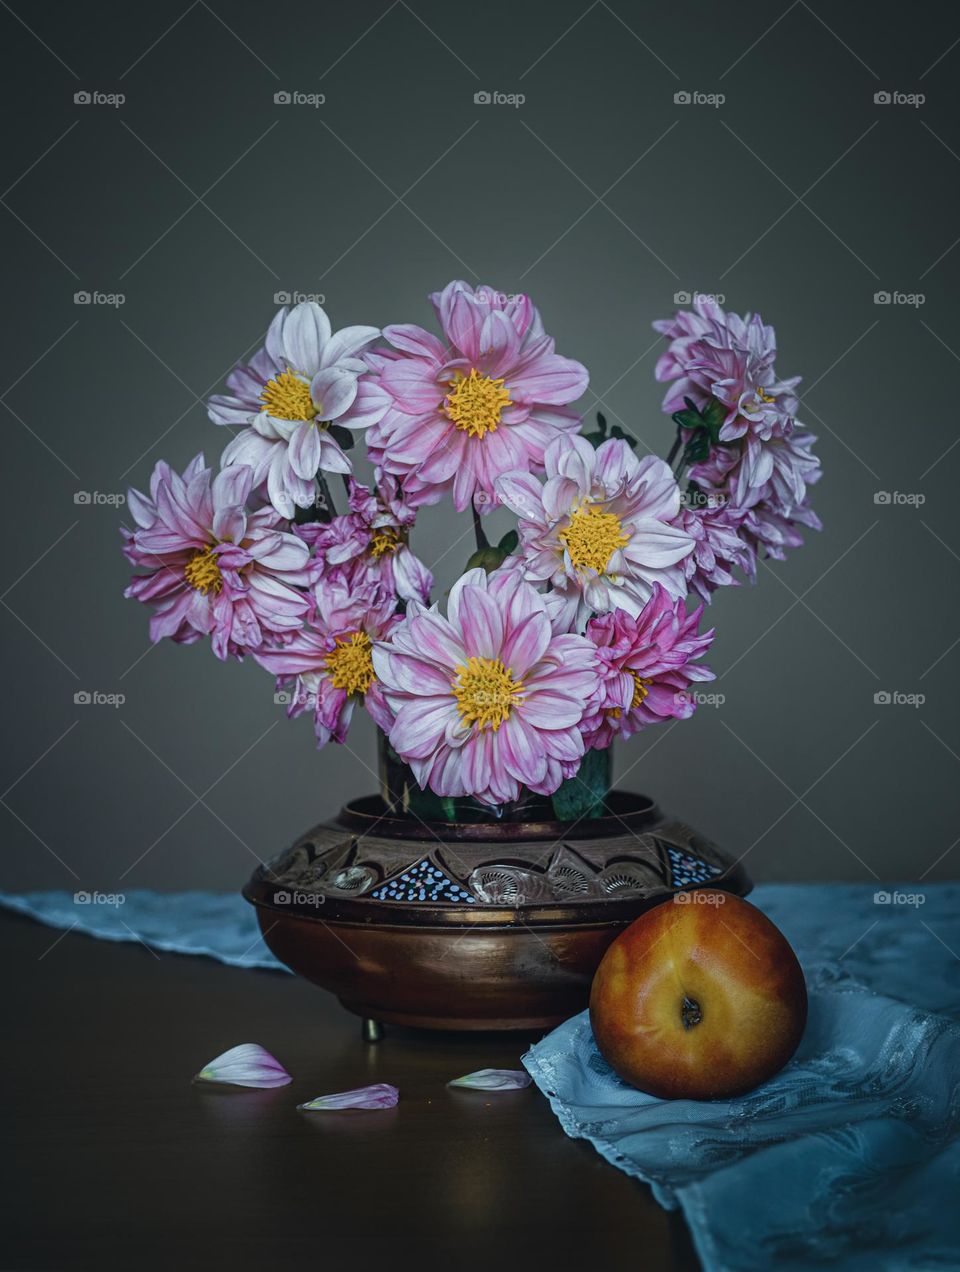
472	925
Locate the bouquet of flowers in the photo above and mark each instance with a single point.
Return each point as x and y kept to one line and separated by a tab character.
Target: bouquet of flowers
571	630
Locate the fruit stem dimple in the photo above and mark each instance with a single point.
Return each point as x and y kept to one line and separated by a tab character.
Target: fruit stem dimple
690	1012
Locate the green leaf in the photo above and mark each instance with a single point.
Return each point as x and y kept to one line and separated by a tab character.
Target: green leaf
687	419
490	557
713	415
508	543
703	426
599	435
621	436
697	449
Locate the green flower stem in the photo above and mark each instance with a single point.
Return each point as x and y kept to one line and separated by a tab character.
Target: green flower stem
478	530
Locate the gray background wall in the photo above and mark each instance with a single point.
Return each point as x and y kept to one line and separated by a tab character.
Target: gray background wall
199	198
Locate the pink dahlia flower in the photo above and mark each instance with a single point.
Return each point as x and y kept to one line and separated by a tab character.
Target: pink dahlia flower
720	355
215	568
487	699
763	487
327	666
646	667
777	471
143	508
718	545
369	543
765	529
303	379
602	529
486	399
762	462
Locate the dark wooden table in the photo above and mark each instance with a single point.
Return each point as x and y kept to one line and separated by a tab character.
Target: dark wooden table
114	1159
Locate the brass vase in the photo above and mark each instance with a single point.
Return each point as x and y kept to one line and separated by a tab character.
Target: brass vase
474	923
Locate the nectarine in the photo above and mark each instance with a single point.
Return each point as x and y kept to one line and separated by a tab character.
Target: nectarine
700	998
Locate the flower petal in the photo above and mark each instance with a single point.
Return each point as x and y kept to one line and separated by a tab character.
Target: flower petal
248	1065
231	486
306	330
522	494
304	450
463	323
413	339
420	725
229	524
347	343
526	643
332	458
333	392
494	1080
481	623
380	1095
551	379
368	407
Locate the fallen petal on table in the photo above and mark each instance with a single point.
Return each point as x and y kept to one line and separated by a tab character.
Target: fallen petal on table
248	1065
381	1095
494	1080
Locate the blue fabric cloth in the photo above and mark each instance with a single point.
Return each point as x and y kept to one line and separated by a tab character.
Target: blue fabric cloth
847	1159
220	925
850	1157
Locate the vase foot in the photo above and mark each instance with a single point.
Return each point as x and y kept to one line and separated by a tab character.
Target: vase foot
371	1030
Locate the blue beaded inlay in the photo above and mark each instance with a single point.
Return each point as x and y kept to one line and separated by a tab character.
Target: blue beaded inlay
687	869
422	882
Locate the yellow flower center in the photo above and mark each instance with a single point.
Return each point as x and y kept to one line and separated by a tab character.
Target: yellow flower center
475	401
351	663
486	692
287	397
592	537
640	688
202	571
384	541
640	691
763	396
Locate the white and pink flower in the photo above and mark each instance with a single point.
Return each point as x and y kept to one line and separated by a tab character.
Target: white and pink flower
763	488
215	569
602	529
646	664
579	636
327	667
720	355
304	379
370	543
487	699
769	529
487	399
718	544
760	461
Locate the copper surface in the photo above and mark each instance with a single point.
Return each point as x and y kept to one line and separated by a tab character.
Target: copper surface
478	965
